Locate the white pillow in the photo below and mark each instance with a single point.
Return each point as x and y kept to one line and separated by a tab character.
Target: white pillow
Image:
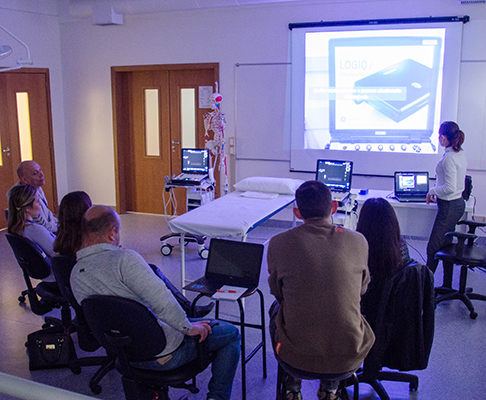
269	185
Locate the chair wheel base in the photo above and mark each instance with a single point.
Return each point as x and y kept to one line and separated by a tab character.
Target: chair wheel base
76	370
96	389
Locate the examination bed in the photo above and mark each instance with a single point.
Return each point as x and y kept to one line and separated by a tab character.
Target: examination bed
235	214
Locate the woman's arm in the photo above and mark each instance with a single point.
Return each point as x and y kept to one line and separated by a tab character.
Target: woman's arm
41	236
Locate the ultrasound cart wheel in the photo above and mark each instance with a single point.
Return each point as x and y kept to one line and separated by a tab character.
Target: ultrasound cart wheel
166	249
203	253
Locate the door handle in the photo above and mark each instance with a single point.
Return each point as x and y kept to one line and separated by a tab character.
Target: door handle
7	149
173	142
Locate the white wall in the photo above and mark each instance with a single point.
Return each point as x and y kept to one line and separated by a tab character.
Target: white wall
228	35
36	24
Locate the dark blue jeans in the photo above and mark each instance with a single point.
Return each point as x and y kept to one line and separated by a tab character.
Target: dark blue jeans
225	341
448	215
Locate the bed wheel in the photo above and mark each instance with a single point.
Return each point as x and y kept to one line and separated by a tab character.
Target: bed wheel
166	249
203	253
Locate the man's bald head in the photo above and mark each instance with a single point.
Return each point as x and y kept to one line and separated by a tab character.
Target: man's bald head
101	224
30	173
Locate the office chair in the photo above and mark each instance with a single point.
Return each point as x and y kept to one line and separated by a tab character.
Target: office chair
353	379
130	330
61	267
35	264
468	256
404	329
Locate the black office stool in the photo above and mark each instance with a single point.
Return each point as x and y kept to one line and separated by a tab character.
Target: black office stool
342	385
467	255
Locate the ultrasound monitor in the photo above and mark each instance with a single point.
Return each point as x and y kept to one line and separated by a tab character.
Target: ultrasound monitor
336	175
195	161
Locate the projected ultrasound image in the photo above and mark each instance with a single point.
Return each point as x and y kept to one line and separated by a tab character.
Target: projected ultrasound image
383	92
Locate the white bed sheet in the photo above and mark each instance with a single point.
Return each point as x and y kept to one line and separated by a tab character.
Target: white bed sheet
229	216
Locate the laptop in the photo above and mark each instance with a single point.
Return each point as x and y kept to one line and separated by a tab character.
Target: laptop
232	263
337	177
195	167
411	186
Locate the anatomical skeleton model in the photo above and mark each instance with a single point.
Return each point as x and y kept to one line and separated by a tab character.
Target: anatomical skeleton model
214	121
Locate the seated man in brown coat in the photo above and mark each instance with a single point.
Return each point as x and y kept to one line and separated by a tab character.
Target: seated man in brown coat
318	273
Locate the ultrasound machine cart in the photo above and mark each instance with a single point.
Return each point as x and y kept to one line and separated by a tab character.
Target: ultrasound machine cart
197	195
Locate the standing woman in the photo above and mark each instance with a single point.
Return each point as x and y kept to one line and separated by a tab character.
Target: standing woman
450	174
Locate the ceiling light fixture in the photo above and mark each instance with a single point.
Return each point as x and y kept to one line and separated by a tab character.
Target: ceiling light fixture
6	50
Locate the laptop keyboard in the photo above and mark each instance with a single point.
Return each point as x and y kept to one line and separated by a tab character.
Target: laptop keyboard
191	177
339	196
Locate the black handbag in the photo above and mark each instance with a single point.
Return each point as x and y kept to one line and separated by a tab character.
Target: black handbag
48	349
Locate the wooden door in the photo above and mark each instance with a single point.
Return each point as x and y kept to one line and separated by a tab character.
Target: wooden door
149	165
182	80
140	176
30	86
6	173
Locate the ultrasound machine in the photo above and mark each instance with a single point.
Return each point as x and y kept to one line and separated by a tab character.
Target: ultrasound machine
336	175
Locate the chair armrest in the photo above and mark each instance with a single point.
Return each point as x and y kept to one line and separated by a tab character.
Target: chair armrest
461	235
472	224
117	340
461	238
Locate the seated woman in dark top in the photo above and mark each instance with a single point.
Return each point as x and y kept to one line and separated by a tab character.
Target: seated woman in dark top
69	233
388	252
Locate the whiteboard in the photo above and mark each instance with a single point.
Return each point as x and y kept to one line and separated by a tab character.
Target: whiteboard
471	115
262	111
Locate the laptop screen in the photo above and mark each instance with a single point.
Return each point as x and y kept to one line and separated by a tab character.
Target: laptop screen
234	262
195	161
335	174
410	183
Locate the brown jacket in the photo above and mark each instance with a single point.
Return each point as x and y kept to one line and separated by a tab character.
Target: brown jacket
318	273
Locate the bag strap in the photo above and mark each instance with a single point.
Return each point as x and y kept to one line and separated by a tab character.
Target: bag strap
39	343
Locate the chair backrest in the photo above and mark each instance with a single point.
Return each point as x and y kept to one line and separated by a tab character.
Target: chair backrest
128	318
31	258
62	267
404	327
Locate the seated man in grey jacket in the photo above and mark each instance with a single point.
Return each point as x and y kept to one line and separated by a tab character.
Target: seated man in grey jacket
105	268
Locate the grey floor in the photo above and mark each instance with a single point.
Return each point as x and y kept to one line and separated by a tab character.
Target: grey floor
456	366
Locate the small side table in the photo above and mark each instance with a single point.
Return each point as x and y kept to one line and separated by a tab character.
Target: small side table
243	325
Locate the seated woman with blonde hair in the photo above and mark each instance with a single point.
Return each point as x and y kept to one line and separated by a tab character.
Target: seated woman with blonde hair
23	207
